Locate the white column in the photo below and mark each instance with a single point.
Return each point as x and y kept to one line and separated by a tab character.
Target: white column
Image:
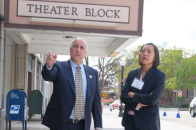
7	69
1	60
2	111
34	73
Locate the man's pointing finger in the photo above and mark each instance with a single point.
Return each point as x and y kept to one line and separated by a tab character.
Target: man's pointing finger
50	53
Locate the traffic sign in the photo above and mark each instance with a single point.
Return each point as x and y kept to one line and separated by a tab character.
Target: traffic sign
179	93
104	95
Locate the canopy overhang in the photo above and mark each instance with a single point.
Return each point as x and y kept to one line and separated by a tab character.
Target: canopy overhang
117	24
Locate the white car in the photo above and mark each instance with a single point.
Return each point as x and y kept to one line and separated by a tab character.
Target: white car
116	105
192	108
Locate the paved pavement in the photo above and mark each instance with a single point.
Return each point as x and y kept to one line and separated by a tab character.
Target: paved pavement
111	121
34	124
185	119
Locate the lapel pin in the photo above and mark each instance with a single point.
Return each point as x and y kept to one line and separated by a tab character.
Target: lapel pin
90	76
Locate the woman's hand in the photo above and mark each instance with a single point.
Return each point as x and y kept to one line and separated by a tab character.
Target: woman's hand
139	105
143	105
131	94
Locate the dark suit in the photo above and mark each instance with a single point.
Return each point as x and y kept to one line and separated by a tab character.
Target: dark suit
63	97
146	118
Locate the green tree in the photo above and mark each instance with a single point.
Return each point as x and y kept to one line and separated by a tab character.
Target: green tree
179	65
132	62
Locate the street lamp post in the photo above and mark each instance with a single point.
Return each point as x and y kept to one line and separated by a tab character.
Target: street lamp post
122	63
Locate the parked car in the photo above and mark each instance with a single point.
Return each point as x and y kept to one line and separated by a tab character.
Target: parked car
116	105
192	108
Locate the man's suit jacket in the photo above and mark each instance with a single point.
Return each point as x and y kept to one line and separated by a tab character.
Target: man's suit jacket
146	118
63	97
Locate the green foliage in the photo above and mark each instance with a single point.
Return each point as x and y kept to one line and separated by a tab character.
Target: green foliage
179	65
183	98
185	106
168	106
107	103
132	62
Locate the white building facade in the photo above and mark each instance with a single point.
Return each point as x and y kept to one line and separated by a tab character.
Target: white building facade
32	27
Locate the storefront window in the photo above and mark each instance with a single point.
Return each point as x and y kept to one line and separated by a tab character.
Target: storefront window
29	64
188	93
38	76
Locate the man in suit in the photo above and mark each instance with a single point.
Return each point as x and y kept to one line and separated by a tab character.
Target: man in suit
76	92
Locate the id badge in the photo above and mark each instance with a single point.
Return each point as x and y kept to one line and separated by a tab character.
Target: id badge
137	84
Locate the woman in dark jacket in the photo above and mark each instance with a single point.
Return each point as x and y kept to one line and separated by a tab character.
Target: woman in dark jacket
142	90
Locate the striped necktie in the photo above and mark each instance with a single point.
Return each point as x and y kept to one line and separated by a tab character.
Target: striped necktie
79	103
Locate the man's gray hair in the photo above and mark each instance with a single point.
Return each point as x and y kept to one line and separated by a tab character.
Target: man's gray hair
80	39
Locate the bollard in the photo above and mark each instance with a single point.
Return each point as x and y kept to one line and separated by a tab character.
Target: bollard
110	107
178	114
164	113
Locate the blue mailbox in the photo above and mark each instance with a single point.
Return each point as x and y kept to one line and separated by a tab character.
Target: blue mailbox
16	107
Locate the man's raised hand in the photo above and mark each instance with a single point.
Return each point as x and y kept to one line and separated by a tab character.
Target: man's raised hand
51	59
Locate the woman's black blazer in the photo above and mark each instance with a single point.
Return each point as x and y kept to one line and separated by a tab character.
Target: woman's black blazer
146	118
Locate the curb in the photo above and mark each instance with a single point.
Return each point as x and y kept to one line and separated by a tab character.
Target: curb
174	109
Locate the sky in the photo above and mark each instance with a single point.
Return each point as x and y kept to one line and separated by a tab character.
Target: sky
171	21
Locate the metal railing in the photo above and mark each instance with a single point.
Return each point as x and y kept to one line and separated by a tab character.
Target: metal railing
167	104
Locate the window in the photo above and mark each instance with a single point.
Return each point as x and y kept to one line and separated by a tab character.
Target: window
37	76
194	100
188	93
29	64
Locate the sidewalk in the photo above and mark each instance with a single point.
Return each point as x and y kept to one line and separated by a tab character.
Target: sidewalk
111	121
32	124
